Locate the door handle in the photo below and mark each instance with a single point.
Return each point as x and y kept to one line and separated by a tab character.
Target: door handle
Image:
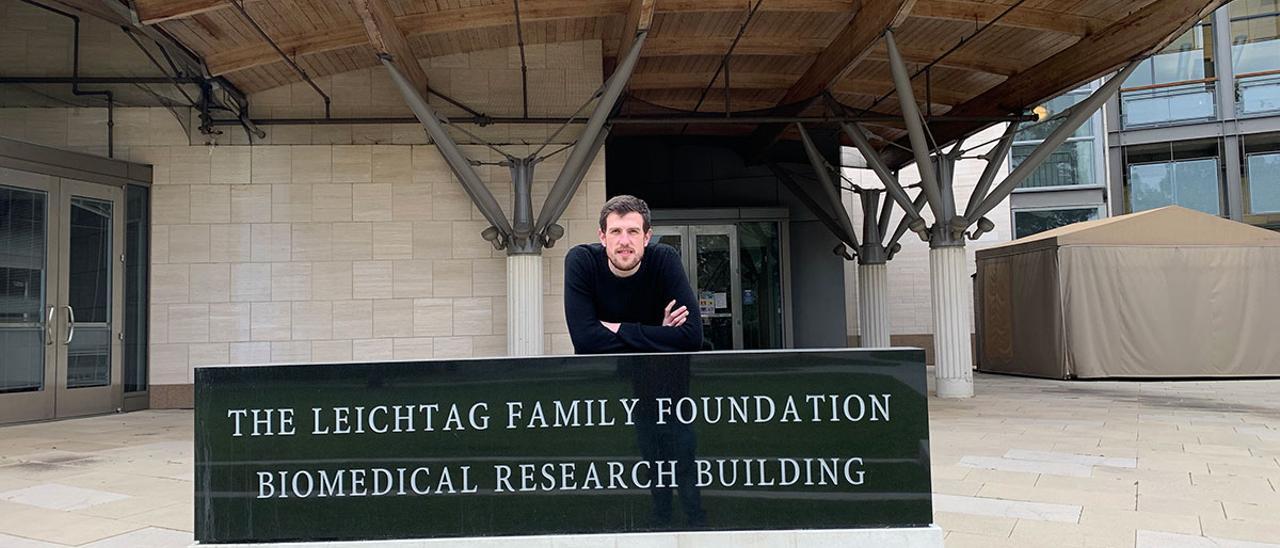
71	324
48	326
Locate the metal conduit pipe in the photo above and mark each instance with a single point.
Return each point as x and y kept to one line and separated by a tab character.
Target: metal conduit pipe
75	74
482	120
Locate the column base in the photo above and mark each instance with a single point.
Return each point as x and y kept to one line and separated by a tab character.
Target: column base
954	388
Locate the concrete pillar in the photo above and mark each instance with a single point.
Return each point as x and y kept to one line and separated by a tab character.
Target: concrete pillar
524	305
873	305
950	289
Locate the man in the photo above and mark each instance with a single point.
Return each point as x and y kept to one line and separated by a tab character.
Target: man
624	295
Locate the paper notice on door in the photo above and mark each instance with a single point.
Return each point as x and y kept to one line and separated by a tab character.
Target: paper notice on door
721	300
706	303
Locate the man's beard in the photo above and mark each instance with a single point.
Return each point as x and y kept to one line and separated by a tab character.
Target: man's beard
618	265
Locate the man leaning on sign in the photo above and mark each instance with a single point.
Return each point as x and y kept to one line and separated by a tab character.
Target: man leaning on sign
625	295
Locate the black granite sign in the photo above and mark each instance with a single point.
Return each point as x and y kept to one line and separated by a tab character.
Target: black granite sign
575	444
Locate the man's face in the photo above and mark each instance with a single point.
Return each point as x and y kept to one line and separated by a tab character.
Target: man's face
624	238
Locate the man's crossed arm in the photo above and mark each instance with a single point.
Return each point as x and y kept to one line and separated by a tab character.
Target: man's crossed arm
671	318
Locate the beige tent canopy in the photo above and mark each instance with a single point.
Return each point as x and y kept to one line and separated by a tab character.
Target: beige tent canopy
1168	292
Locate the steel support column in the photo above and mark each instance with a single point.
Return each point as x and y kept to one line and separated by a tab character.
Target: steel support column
458	162
829	189
915	125
525	239
948	272
1078	114
873	272
525	330
584	152
911	209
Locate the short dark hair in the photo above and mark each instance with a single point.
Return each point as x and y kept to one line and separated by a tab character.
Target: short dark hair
623	204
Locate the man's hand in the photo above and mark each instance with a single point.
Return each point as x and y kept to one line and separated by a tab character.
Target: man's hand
611	326
674	318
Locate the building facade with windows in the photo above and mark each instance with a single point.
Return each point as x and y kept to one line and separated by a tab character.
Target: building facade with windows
1196	125
1199	124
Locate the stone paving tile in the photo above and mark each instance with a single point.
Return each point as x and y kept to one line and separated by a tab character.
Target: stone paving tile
60	497
10	541
179	516
1158	539
151	537
1038	467
1164	505
1073	458
1007	508
61	527
996	526
1078	497
1240	529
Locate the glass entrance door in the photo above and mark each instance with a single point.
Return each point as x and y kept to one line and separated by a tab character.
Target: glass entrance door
715	279
60	299
27	296
90	296
711	259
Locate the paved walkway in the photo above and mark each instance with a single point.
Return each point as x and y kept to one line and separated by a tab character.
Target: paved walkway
1026	463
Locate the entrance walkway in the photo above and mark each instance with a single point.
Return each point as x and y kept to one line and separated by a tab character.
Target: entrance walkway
1026	463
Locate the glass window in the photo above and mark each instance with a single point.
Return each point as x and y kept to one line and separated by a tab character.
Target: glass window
759	246
1026	223
1073	162
1192	184
1264	181
1261	179
24	293
1188	174
1175	84
1255	54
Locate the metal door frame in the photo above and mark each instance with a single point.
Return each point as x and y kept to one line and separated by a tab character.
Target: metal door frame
683	232
55	400
72	402
735	272
39	405
670	219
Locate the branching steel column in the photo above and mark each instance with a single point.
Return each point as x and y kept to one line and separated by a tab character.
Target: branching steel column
1079	113
872	250
873	272
584	151
457	161
911	209
915	126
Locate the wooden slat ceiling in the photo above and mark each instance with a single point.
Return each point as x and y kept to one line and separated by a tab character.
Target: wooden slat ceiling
774	60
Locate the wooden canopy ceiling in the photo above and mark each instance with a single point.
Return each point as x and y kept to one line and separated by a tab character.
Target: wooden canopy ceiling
988	57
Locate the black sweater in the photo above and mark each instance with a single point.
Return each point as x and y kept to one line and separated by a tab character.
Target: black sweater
593	293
